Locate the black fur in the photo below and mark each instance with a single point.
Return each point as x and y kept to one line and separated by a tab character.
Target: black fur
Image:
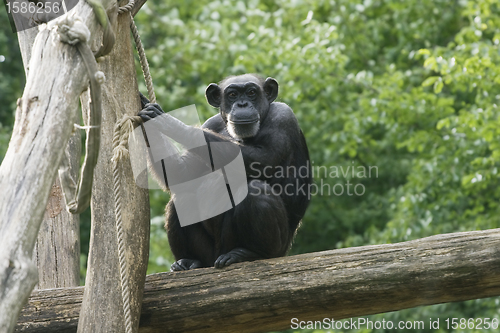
262	225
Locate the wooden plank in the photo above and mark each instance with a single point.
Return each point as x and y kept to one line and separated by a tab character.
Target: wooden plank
102	310
57	250
265	295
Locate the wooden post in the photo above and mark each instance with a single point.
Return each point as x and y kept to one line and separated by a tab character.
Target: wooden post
44	122
102	308
57	250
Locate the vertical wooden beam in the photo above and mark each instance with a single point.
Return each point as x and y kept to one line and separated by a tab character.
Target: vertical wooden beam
102	308
26	39
57	250
44	122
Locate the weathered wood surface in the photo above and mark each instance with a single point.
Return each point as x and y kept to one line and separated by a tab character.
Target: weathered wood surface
137	5
44	121
26	39
265	295
102	309
57	250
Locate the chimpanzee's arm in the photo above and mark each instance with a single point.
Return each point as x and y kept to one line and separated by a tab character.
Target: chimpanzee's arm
278	136
269	147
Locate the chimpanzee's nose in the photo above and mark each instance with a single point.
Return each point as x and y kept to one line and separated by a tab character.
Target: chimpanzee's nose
242	104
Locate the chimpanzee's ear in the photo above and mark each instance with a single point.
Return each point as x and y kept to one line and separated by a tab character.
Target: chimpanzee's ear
271	89
213	94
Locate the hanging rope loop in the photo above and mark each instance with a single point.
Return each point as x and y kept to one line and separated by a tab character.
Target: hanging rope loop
127	8
74	32
121	133
78	195
120	141
108	39
144	62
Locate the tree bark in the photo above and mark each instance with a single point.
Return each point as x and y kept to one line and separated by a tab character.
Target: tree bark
137	6
57	250
26	39
44	121
265	295
102	309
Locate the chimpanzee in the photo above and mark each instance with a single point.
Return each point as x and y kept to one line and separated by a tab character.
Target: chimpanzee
278	175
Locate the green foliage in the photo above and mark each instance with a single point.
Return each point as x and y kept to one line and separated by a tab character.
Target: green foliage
452	184
11	80
407	87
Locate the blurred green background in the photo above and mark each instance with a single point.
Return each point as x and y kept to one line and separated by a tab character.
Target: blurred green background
409	87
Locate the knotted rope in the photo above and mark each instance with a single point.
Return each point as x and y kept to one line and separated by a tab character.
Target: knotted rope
122	130
120	140
74	32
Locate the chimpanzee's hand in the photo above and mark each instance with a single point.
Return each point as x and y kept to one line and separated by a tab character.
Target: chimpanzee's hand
149	110
144	100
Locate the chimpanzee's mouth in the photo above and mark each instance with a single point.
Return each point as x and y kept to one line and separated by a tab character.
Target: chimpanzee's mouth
244	122
242	129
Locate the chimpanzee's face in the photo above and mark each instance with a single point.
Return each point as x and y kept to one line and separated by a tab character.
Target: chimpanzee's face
243	102
241	105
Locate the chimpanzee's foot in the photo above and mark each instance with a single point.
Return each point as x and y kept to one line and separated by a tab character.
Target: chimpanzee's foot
185	264
237	254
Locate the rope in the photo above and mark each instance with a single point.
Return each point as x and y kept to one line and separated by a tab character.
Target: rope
127	8
108	38
122	130
74	32
140	50
144	61
120	139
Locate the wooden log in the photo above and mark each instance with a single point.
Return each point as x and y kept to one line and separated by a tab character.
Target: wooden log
26	39
137	6
265	295
44	121
57	250
102	309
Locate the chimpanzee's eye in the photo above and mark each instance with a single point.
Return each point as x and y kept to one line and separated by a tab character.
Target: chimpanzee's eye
232	94
251	92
